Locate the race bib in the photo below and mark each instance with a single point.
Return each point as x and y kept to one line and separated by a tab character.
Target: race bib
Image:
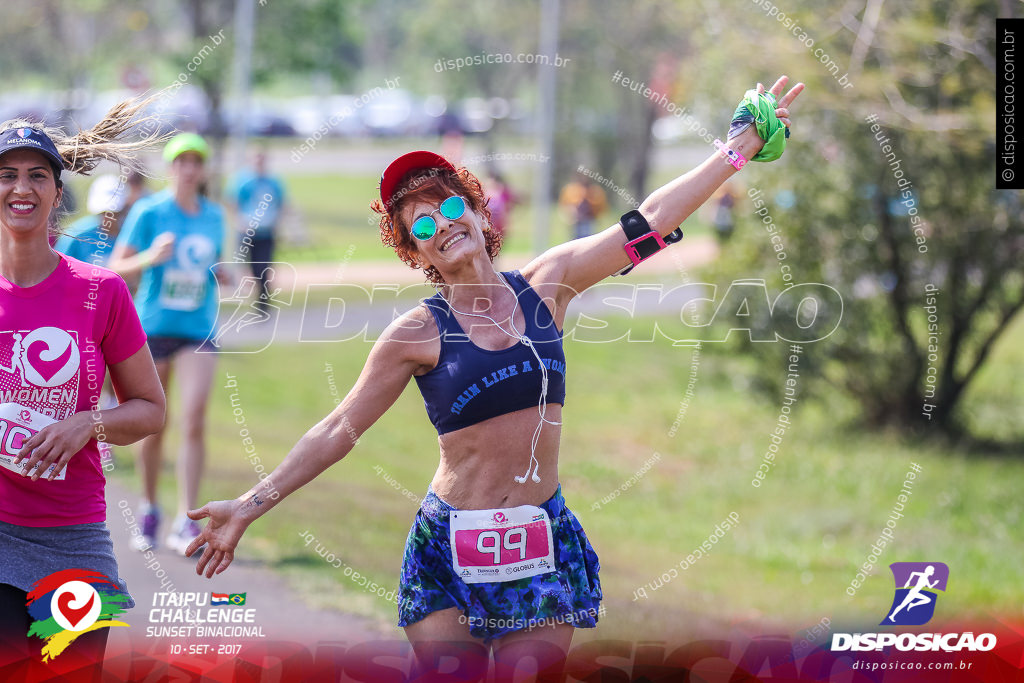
501	545
17	425
183	290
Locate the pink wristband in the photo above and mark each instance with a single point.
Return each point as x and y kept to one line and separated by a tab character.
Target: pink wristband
731	155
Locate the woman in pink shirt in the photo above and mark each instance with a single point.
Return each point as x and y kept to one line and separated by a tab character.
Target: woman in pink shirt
63	325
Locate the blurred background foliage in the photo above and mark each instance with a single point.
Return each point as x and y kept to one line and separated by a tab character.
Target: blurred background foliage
923	70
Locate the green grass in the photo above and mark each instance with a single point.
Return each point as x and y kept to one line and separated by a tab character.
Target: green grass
801	537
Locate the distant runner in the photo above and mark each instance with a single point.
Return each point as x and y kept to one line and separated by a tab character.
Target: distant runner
173	238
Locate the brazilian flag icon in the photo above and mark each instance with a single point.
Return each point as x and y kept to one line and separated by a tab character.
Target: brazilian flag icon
237	598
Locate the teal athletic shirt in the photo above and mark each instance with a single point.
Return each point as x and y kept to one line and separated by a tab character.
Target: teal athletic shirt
177	298
260	199
85	241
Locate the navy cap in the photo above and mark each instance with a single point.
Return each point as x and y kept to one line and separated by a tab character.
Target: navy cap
30	138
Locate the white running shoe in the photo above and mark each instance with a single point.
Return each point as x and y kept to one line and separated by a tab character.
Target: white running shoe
183	532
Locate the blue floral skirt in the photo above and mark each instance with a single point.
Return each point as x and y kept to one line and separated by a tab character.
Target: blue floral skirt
570	594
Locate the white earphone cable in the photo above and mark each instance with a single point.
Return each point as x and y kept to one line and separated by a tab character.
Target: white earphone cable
542	405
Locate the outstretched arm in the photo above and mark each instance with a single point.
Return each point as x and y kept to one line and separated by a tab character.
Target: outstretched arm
392	362
582	263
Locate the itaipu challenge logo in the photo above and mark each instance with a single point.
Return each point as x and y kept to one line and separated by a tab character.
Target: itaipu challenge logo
69	603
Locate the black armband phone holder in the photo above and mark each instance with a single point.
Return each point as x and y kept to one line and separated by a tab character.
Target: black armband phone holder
642	242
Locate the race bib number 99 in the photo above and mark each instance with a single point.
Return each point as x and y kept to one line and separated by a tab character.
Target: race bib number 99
501	545
17	425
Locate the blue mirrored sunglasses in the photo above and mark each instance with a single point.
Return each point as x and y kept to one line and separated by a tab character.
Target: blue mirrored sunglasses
425	227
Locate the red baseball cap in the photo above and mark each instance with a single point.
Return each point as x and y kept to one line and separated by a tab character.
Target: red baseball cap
413	161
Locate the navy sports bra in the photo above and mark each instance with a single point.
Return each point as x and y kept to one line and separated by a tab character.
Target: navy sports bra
470	384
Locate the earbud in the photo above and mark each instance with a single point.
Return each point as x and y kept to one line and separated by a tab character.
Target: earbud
535	477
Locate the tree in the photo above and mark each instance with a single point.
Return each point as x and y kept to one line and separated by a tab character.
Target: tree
893	203
431	47
600	123
304	37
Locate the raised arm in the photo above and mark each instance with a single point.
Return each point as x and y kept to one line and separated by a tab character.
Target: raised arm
400	353
581	263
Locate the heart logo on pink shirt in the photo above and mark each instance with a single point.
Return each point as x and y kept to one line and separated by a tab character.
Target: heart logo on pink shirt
49	357
47	368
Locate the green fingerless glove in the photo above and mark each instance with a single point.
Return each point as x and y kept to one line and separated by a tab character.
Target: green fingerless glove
759	109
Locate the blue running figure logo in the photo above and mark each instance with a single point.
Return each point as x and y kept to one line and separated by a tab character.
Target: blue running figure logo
915	598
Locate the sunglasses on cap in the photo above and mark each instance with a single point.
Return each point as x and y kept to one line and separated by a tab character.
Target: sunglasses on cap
425	227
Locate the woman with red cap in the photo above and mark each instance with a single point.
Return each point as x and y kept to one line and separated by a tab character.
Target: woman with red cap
494	555
66	324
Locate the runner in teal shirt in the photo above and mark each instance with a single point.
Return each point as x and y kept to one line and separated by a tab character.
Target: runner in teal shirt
86	241
259	198
178	297
90	239
174	238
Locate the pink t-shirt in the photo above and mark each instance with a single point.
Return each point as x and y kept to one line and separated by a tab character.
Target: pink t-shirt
56	340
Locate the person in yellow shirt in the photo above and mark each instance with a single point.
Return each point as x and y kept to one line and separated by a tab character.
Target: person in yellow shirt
585	201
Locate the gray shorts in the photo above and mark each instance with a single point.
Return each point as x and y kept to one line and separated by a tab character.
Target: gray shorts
30	553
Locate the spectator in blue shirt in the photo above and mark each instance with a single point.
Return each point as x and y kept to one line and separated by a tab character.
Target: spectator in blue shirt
91	238
259	199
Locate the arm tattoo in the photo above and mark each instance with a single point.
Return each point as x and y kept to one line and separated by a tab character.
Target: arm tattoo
252	502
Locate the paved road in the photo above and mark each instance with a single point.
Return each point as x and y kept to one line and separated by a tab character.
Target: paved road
278	611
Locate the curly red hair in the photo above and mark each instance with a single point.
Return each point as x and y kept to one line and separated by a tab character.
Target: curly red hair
431	185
